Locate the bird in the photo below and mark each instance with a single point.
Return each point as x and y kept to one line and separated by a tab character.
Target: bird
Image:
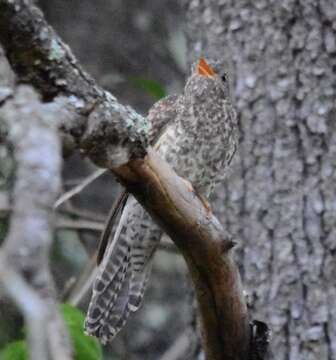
196	133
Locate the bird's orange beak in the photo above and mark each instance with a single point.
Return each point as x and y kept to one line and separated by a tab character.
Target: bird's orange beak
204	69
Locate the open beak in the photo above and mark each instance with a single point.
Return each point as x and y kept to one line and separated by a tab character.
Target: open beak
204	69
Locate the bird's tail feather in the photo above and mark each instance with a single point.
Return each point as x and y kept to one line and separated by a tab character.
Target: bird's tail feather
106	289
138	286
111	276
111	316
115	317
124	272
125	304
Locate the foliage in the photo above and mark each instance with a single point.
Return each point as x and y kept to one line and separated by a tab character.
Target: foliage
85	347
16	350
152	87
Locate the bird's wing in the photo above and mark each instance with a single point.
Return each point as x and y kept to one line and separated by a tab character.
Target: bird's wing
116	208
160	114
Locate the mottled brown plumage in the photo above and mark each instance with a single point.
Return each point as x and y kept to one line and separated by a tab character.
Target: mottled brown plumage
196	135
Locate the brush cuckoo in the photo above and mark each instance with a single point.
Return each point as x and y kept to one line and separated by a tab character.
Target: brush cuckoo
196	133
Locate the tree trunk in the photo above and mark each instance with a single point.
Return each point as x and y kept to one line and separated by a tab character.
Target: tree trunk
279	200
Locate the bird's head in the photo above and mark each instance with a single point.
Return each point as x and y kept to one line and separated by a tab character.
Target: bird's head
207	81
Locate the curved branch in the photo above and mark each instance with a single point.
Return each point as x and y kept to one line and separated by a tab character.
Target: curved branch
204	244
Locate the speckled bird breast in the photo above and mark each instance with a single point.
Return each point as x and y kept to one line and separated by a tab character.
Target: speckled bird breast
199	144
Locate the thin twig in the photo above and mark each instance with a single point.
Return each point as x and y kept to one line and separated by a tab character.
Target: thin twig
78	188
69	284
179	348
86	214
79	224
84	284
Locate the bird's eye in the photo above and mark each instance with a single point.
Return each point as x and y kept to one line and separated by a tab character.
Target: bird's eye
224	78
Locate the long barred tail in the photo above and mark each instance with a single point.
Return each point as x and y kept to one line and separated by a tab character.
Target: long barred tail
110	287
123	274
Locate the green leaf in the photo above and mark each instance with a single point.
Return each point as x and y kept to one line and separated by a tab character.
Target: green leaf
16	350
153	87
85	347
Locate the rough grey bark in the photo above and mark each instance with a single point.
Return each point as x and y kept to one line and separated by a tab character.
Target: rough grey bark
279	200
24	255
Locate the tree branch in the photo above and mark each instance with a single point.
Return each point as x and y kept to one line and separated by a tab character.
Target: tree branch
206	247
30	304
40	58
24	270
116	137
